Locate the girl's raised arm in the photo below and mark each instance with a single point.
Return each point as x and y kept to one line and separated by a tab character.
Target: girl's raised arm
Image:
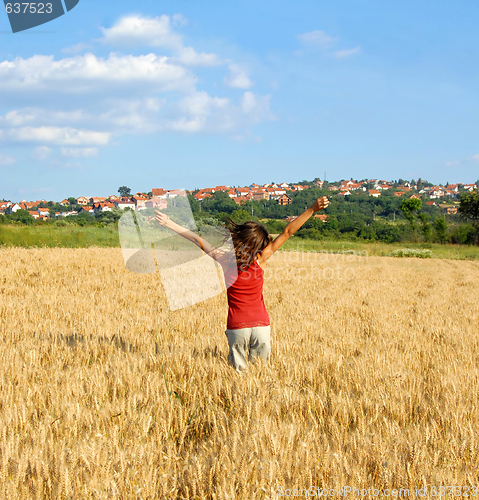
292	227
209	249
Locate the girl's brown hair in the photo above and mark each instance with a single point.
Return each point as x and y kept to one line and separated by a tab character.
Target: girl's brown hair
249	239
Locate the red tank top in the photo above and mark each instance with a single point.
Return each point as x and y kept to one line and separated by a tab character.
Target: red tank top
245	300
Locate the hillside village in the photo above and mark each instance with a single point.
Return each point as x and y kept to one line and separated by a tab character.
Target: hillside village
434	195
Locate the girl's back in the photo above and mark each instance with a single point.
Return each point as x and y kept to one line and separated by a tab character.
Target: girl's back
245	299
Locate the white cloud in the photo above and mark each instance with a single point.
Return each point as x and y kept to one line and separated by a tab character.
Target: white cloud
202	113
87	99
341	54
195	111
79	152
200	104
189	57
87	73
179	20
318	39
6	160
55	135
452	163
139	30
157	32
237	78
16	118
256	107
476	157
41	152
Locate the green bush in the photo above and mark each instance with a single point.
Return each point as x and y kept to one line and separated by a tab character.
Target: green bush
275	226
412	252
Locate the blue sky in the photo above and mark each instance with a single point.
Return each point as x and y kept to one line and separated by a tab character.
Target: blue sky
186	94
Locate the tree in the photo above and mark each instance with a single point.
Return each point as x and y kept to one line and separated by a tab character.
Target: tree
240	215
440	227
219	202
469	209
22	216
124	191
72	200
408	207
426	228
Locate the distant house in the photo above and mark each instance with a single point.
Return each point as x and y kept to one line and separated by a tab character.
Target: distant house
453	187
322	217
260	194
83	201
202	196
242	191
350	186
449	209
86	209
105	206
140	202
97	199
71	212
290	218
125	204
29	205
113	197
159	203
172	193
13	208
34	214
65	202
398	193
284	199
451	193
241	200
436	192
157	192
168	193
43	211
374	192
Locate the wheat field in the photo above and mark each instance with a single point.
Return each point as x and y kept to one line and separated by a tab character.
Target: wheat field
106	393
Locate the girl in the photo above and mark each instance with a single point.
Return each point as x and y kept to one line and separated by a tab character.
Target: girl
248	327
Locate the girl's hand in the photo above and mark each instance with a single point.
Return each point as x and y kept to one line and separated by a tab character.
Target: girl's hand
320	204
161	218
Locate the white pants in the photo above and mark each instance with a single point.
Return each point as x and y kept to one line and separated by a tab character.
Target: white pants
255	341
